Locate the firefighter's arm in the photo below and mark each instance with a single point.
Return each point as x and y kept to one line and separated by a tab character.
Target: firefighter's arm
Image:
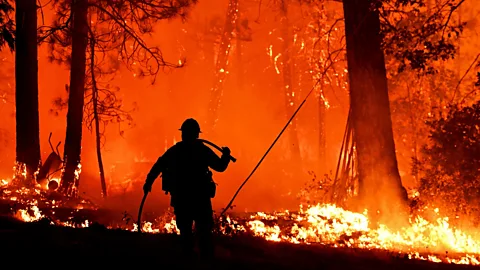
219	164
157	168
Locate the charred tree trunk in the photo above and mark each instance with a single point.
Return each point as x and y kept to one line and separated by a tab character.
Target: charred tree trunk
98	142
380	185
26	89
96	118
73	139
222	63
287	79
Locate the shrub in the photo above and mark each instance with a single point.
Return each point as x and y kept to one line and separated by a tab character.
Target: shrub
449	164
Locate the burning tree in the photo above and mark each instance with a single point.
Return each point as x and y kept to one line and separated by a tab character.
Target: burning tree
121	26
221	65
412	38
26	89
370	108
422	48
411	45
320	49
287	76
73	138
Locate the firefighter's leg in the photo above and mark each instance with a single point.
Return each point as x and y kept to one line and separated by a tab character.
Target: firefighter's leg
204	228
184	221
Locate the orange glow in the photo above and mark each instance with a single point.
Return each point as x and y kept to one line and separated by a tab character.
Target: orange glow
250	115
252	111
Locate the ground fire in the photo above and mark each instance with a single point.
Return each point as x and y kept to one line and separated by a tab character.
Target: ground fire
355	123
324	224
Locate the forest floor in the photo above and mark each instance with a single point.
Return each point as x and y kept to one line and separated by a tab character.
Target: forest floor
40	244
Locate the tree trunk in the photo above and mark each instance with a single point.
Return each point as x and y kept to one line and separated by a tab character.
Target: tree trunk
26	90
96	118
287	80
222	63
73	139
98	143
380	185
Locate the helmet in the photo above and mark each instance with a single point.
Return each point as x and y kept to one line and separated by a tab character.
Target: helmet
190	125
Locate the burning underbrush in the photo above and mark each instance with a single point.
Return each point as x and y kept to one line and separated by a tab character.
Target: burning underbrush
37	202
323	224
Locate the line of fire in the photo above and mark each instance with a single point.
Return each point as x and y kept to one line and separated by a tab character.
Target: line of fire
382	153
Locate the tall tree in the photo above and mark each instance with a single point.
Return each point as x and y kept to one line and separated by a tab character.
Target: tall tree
221	65
26	90
102	106
73	138
96	117
288	83
379	179
116	30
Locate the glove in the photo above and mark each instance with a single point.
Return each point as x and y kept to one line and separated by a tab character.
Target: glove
226	151
147	188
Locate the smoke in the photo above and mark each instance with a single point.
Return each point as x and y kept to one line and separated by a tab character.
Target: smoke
251	114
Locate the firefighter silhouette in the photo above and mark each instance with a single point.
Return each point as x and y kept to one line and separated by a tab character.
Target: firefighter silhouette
186	175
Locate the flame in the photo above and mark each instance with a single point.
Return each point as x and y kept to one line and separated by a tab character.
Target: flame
25	216
324	224
20	171
330	225
171	227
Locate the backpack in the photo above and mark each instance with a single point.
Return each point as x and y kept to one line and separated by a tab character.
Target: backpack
203	179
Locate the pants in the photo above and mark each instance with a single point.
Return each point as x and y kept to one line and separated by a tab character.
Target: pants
198	210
